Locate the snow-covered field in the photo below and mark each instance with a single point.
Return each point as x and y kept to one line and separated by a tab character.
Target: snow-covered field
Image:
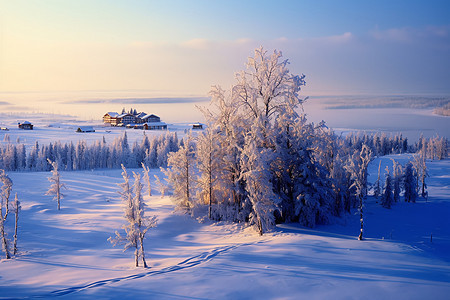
66	253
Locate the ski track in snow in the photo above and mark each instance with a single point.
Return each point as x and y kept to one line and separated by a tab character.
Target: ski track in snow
191	262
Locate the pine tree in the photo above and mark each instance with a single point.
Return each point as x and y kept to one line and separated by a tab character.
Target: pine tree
387	197
410	183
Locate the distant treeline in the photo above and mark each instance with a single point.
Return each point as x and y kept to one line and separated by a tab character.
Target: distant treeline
81	156
153	151
443	111
414	102
382	144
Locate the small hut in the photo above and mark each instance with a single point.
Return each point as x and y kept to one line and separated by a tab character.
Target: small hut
197	126
26	125
85	129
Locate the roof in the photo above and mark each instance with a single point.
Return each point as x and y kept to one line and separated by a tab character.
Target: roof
26	123
150	115
85	128
124	115
141	115
155	123
112	114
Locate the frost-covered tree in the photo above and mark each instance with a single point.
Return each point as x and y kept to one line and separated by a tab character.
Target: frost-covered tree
147	178
181	174
209	165
377	187
267	87
420	166
358	168
397	179
16	222
161	187
300	180
409	183
387	198
131	239
4	209
143	223
230	136
137	224
273	165
256	171
57	185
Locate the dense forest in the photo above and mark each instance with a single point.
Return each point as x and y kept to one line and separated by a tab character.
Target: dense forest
260	161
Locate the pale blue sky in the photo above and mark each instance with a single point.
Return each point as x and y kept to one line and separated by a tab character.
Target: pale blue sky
184	47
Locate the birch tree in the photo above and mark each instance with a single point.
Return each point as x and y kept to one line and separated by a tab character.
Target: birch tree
358	168
131	239
4	209
181	175
147	178
387	196
57	185
134	213
16	223
377	188
209	161
143	222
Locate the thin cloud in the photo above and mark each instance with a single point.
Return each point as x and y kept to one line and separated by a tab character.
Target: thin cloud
153	100
409	35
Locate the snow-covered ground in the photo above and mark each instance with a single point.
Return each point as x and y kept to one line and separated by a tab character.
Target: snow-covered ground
66	253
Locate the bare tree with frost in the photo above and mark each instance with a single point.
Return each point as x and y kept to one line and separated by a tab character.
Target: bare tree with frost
377	188
358	169
132	238
209	159
143	223
163	188
397	178
4	209
57	185
181	175
137	223
147	178
387	198
16	222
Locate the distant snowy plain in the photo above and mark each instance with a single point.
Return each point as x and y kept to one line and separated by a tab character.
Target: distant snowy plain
66	253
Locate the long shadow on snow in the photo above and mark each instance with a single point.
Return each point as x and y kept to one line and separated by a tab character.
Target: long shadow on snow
191	262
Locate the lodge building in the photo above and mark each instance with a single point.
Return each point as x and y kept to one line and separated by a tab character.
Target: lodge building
137	121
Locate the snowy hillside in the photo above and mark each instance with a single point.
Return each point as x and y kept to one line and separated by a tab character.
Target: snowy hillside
66	253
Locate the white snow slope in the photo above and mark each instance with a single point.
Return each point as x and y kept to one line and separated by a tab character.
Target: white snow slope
66	253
